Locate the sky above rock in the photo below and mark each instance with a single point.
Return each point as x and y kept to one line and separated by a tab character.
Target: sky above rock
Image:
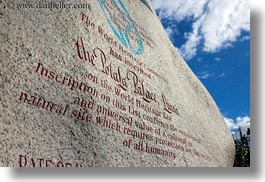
213	37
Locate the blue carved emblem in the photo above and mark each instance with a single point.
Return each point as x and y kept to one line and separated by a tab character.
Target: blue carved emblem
122	24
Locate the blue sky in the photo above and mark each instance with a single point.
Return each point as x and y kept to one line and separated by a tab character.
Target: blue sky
213	37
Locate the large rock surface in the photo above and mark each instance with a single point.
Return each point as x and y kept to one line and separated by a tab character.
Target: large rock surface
102	86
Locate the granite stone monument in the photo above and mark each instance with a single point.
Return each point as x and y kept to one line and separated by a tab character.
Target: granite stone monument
99	84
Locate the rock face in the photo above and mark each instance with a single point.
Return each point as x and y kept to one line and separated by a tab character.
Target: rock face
99	84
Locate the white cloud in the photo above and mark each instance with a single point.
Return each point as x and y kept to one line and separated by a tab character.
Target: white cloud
245	38
189	49
207	74
204	75
224	22
242	122
221	75
169	31
179	9
217	59
230	123
216	23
